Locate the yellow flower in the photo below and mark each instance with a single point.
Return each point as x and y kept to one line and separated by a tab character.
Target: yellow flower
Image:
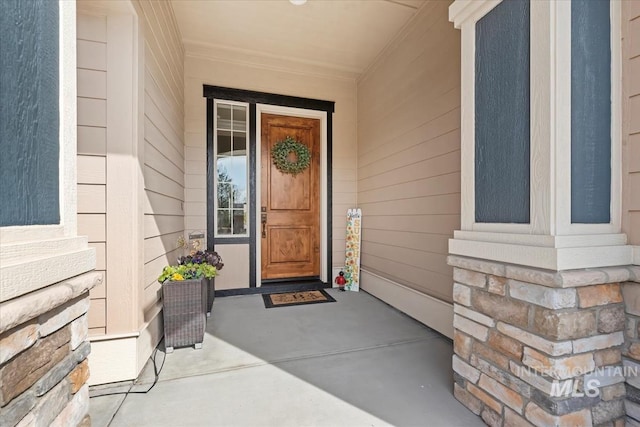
176	277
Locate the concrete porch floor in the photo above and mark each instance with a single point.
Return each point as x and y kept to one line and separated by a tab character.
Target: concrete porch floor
354	362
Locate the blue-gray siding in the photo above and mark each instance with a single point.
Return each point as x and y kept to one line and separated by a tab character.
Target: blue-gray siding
590	111
502	114
29	120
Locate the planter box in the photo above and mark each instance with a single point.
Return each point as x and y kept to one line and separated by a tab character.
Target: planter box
183	313
211	289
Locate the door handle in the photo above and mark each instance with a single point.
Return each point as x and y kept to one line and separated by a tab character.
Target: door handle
264	225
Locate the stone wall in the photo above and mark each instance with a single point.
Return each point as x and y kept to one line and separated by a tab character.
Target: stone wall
43	355
631	351
536	347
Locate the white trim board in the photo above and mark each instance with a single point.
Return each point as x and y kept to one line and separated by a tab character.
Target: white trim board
124	180
550	258
430	311
544	251
121	357
113	360
295	112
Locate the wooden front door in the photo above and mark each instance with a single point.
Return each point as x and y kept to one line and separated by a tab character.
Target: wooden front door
290	204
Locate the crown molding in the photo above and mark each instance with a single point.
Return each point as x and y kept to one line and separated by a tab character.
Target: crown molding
103	7
462	10
197	49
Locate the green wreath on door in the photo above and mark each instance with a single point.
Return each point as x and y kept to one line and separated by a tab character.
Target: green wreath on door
281	151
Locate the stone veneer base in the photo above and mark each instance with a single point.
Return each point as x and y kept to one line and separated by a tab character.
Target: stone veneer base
43	355
536	347
631	351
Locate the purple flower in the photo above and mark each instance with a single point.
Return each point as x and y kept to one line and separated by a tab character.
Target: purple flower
202	257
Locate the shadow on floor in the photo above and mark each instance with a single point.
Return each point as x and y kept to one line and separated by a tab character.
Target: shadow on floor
353	362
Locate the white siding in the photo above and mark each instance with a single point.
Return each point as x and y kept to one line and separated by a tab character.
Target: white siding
92	153
409	155
130	171
164	145
631	120
162	155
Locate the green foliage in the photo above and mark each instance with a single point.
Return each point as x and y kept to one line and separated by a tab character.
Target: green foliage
189	271
226	198
280	155
196	265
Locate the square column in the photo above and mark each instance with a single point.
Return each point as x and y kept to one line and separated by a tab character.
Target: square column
540	259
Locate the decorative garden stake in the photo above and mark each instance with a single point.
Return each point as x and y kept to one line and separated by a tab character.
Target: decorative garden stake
352	255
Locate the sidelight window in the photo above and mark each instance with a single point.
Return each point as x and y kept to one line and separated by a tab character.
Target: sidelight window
231	168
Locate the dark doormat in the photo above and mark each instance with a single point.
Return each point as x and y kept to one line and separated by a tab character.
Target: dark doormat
287	299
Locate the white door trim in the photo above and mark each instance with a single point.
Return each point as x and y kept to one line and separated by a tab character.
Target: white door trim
295	112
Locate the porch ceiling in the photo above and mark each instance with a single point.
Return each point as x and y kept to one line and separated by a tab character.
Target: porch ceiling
343	36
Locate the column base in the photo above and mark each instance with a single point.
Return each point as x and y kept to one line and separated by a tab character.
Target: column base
539	347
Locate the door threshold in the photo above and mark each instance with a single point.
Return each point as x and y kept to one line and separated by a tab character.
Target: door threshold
279	282
277	287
